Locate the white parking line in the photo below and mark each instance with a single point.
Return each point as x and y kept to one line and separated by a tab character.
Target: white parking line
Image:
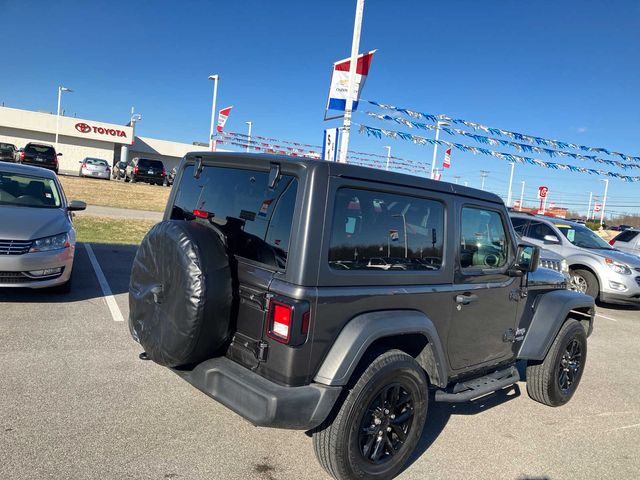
604	316
104	285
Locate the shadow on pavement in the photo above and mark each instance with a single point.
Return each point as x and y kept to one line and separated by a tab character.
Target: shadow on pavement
614	306
440	412
115	262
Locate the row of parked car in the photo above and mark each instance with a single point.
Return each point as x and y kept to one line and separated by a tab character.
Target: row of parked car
134	170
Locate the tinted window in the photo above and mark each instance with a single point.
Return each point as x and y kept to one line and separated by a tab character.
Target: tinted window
7	146
146	163
519	224
484	241
256	219
626	236
381	231
95	161
40	150
538	230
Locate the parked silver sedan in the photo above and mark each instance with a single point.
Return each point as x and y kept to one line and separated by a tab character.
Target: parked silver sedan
95	167
37	238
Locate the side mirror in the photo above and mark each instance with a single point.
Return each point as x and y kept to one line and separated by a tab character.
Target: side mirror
76	205
58	154
527	258
551	239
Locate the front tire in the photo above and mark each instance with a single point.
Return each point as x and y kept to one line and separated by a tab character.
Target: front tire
378	425
584	281
554	380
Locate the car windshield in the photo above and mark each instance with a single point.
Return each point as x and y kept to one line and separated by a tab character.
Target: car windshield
96	161
28	191
583	237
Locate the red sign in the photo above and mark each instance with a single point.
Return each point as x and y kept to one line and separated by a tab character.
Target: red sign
86	128
542	192
597	207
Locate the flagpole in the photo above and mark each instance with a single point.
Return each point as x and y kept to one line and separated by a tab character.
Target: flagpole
212	142
355	46
439	123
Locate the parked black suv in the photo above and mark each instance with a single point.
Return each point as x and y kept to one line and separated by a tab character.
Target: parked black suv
7	152
145	170
266	287
40	155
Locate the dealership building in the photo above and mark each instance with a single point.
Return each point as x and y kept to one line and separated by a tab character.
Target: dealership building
80	138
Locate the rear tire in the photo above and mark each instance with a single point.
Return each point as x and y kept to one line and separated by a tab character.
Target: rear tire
584	281
378	425
133	180
554	380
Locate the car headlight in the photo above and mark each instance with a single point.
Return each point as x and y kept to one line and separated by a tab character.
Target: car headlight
55	242
564	266
617	267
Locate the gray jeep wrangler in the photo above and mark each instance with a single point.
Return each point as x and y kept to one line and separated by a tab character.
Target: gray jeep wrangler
341	300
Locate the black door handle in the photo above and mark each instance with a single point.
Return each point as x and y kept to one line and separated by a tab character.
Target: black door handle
466	298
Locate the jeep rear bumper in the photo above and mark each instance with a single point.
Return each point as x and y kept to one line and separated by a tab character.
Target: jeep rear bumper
261	401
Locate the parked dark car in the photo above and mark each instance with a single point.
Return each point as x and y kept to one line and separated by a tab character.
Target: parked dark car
7	152
119	171
145	170
274	302
40	155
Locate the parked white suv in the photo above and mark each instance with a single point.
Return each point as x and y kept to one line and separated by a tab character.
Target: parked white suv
595	267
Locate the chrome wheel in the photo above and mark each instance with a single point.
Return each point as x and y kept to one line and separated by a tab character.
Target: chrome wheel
578	283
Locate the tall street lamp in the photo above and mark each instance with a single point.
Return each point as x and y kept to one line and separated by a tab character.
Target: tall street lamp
388	155
510	184
60	90
439	124
521	195
604	200
249	135
212	142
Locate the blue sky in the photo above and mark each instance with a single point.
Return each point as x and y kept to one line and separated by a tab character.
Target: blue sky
564	70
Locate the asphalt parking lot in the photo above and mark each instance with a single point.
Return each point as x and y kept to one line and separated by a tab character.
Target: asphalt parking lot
77	403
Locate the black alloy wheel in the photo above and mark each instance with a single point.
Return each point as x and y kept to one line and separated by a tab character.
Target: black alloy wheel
569	366
386	423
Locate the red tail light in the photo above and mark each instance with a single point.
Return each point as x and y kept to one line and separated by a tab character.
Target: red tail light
201	213
135	169
612	241
164	172
21	156
280	316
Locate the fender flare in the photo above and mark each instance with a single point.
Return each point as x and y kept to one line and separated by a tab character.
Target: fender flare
551	311
364	329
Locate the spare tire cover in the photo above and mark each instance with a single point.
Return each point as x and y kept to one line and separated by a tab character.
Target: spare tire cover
180	293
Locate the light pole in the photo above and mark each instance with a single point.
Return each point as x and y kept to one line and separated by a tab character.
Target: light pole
124	151
589	207
510	184
212	142
404	227
439	123
60	90
249	135
388	155
521	194
457	178
483	174
604	200
351	86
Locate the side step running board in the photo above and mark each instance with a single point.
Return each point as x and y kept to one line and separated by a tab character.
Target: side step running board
478	387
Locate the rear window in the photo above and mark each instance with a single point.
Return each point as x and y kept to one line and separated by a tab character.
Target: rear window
626	236
40	150
7	146
95	161
145	163
257	219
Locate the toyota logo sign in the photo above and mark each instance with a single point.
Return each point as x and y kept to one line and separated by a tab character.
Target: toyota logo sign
83	127
86	128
